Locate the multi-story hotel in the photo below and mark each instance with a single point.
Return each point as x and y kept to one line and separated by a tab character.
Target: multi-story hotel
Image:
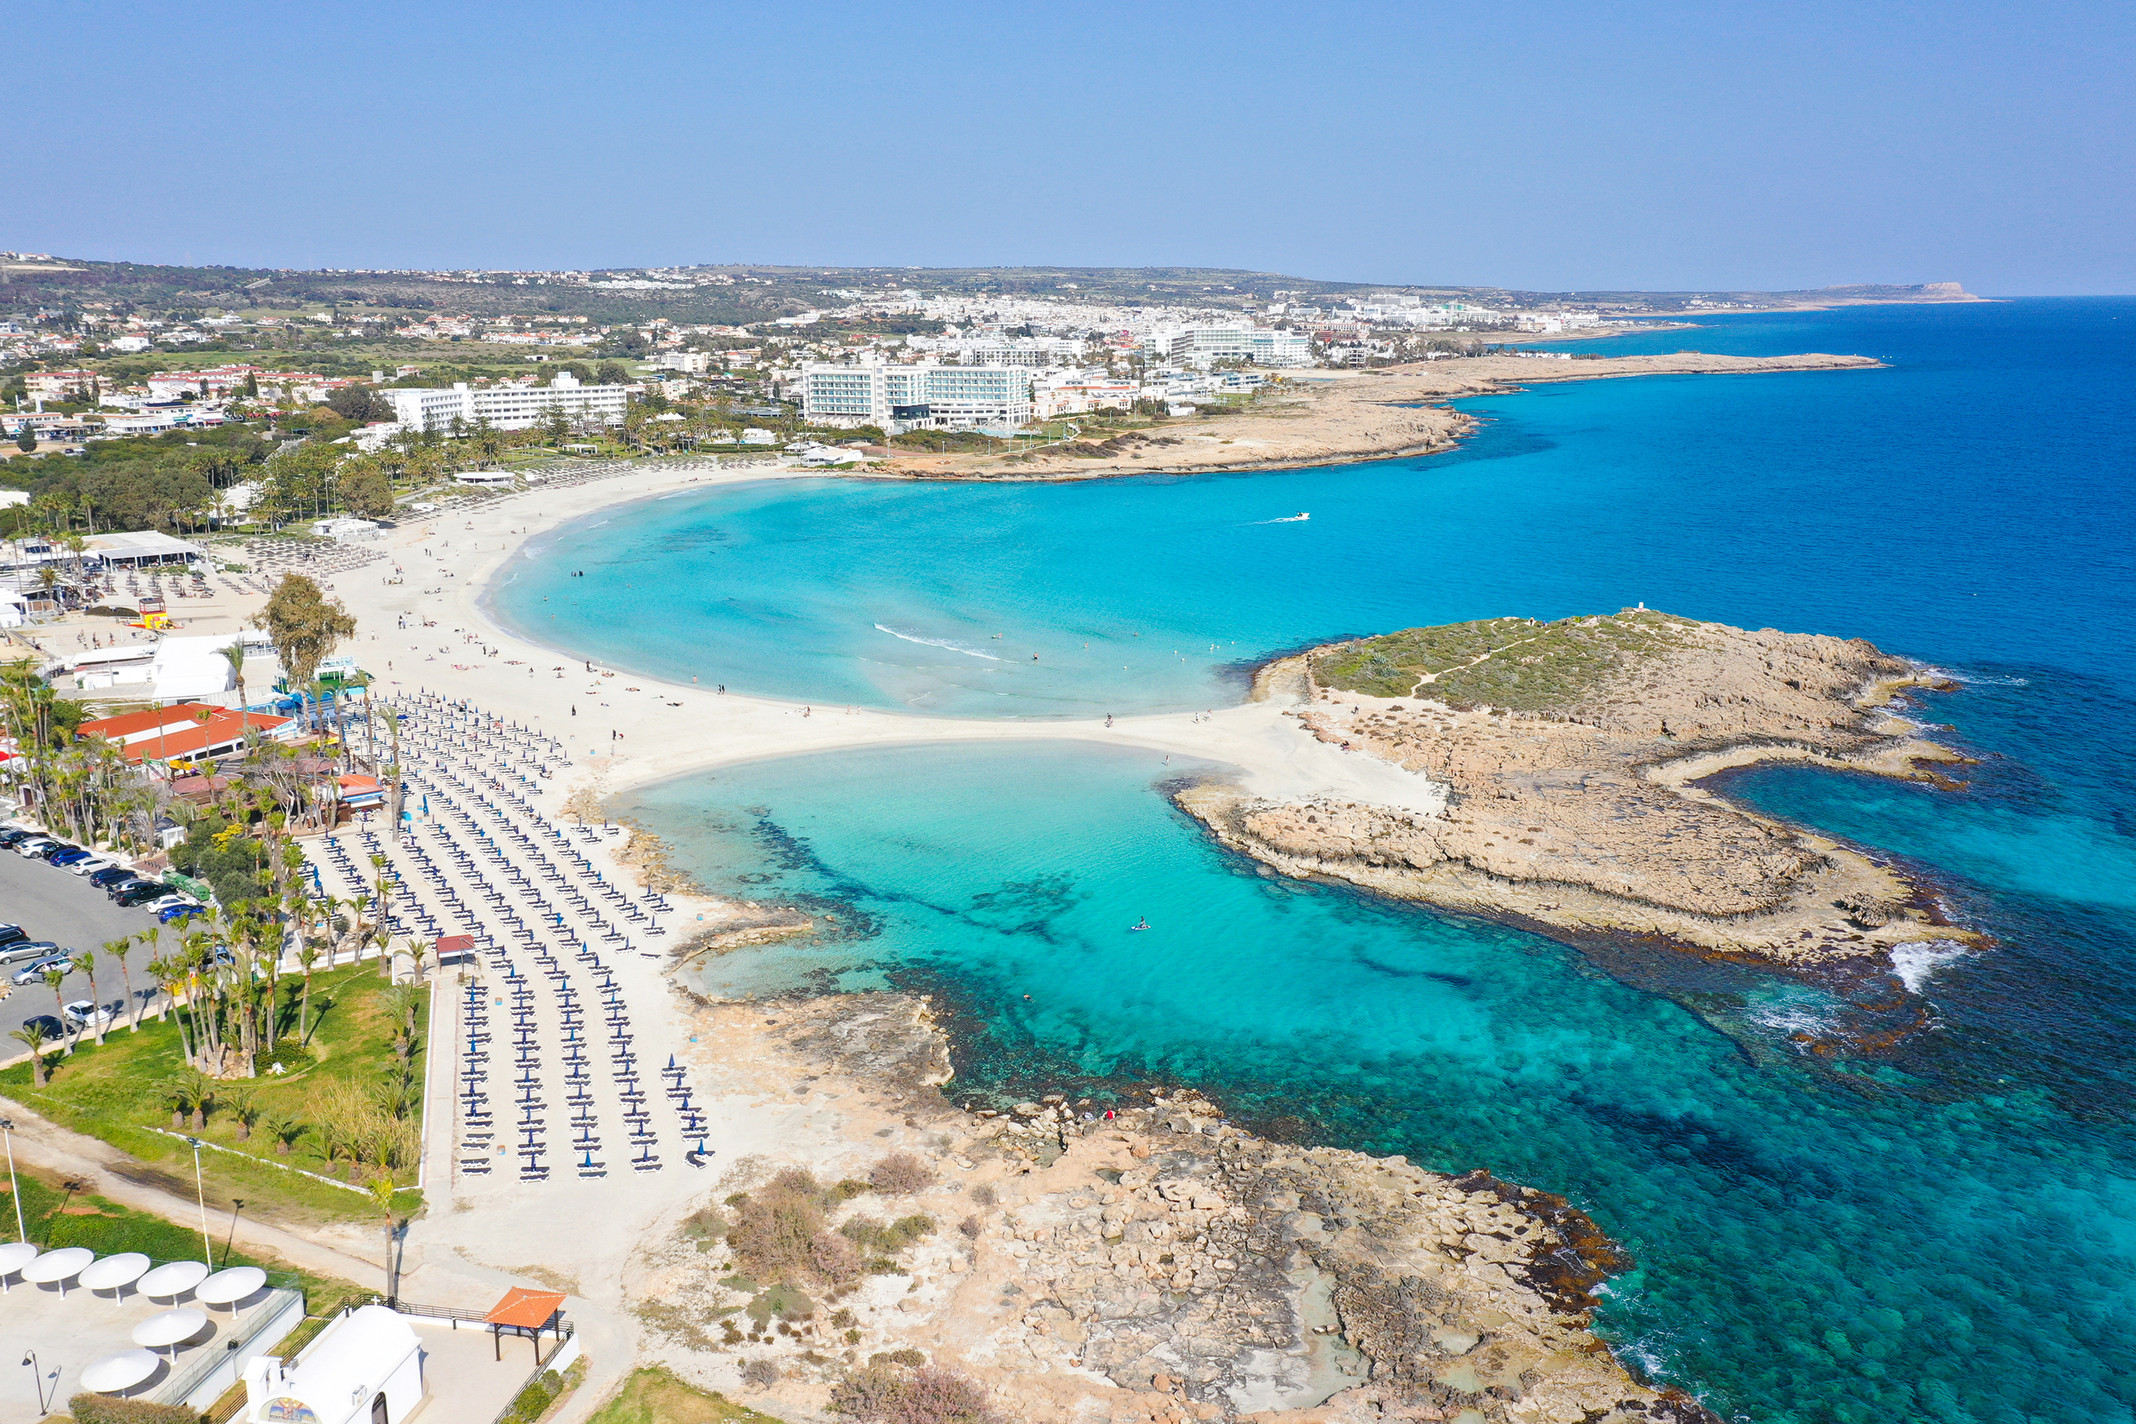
507	407
898	398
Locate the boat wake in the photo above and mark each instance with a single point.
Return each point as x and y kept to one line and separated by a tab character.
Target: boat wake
938	643
1286	519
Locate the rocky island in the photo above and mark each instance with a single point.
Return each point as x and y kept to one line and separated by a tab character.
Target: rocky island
1569	755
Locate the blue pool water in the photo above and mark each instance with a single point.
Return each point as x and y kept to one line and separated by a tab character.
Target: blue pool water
1940	1230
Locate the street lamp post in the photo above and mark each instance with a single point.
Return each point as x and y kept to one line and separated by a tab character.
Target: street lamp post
29	1362
200	1194
7	1130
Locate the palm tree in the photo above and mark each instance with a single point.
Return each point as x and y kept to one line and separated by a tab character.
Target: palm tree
307	956
147	938
86	961
33	1036
53	979
381	1190
234	655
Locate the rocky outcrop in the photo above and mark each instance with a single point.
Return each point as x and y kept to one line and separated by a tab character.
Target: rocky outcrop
1570	754
1151	1263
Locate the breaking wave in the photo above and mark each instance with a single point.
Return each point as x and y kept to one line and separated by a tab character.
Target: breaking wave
938	643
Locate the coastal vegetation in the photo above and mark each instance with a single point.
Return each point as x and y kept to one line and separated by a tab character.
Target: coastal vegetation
1515	664
338	1093
655	1396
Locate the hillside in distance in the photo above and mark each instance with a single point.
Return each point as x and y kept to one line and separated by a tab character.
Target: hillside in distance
738	294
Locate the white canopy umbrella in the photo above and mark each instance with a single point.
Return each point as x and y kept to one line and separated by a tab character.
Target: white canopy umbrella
115	1273
61	1266
13	1257
170	1327
231	1286
173	1280
116	1373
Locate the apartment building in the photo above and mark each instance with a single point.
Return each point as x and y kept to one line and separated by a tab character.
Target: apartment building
507	407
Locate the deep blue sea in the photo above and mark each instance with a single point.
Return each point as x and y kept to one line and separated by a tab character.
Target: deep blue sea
1939	1229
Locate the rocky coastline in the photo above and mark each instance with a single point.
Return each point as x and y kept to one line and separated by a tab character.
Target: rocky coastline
1157	1262
1335	418
1571	755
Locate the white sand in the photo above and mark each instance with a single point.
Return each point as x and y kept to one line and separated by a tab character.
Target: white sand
459	553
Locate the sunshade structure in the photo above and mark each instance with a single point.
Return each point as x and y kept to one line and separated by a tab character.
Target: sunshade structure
170	1327
231	1286
58	1267
115	1273
115	1374
526	1312
174	1280
13	1257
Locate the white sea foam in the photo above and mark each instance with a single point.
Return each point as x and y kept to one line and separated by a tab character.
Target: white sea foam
1978	679
1792	1018
1917	961
939	643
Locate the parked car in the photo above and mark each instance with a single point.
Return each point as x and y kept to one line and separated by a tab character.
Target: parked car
10	933
168	901
66	855
89	865
10	838
34	845
52	1027
179	913
134	896
21	951
84	1015
35	970
132	881
109	876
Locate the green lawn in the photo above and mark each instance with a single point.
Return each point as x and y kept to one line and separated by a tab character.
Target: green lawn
57	1216
114	1093
653	1396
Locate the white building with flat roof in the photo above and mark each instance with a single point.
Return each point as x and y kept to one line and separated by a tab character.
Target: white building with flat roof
1260	345
507	407
923	396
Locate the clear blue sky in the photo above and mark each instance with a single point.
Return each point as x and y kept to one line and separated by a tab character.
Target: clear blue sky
1541	145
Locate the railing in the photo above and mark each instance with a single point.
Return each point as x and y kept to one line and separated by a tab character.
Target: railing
283	1308
439	1312
563	1339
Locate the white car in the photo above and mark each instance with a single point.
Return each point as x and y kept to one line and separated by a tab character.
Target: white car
84	1015
34	846
92	864
159	905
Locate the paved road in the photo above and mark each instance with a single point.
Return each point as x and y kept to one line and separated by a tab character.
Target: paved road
51	904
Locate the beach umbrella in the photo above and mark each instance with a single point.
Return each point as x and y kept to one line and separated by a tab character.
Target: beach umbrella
58	1266
115	1273
13	1257
116	1373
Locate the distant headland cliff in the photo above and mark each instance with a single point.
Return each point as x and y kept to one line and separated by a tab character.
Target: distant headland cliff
1570	752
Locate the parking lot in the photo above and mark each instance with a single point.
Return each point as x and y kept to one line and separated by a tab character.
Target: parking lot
49	903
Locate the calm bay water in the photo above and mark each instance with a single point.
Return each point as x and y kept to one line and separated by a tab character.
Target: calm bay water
1943	1232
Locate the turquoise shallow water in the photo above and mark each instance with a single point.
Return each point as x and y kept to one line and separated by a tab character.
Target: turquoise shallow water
1944	1231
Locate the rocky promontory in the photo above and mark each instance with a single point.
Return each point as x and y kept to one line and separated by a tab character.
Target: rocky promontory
1140	1263
1569	754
